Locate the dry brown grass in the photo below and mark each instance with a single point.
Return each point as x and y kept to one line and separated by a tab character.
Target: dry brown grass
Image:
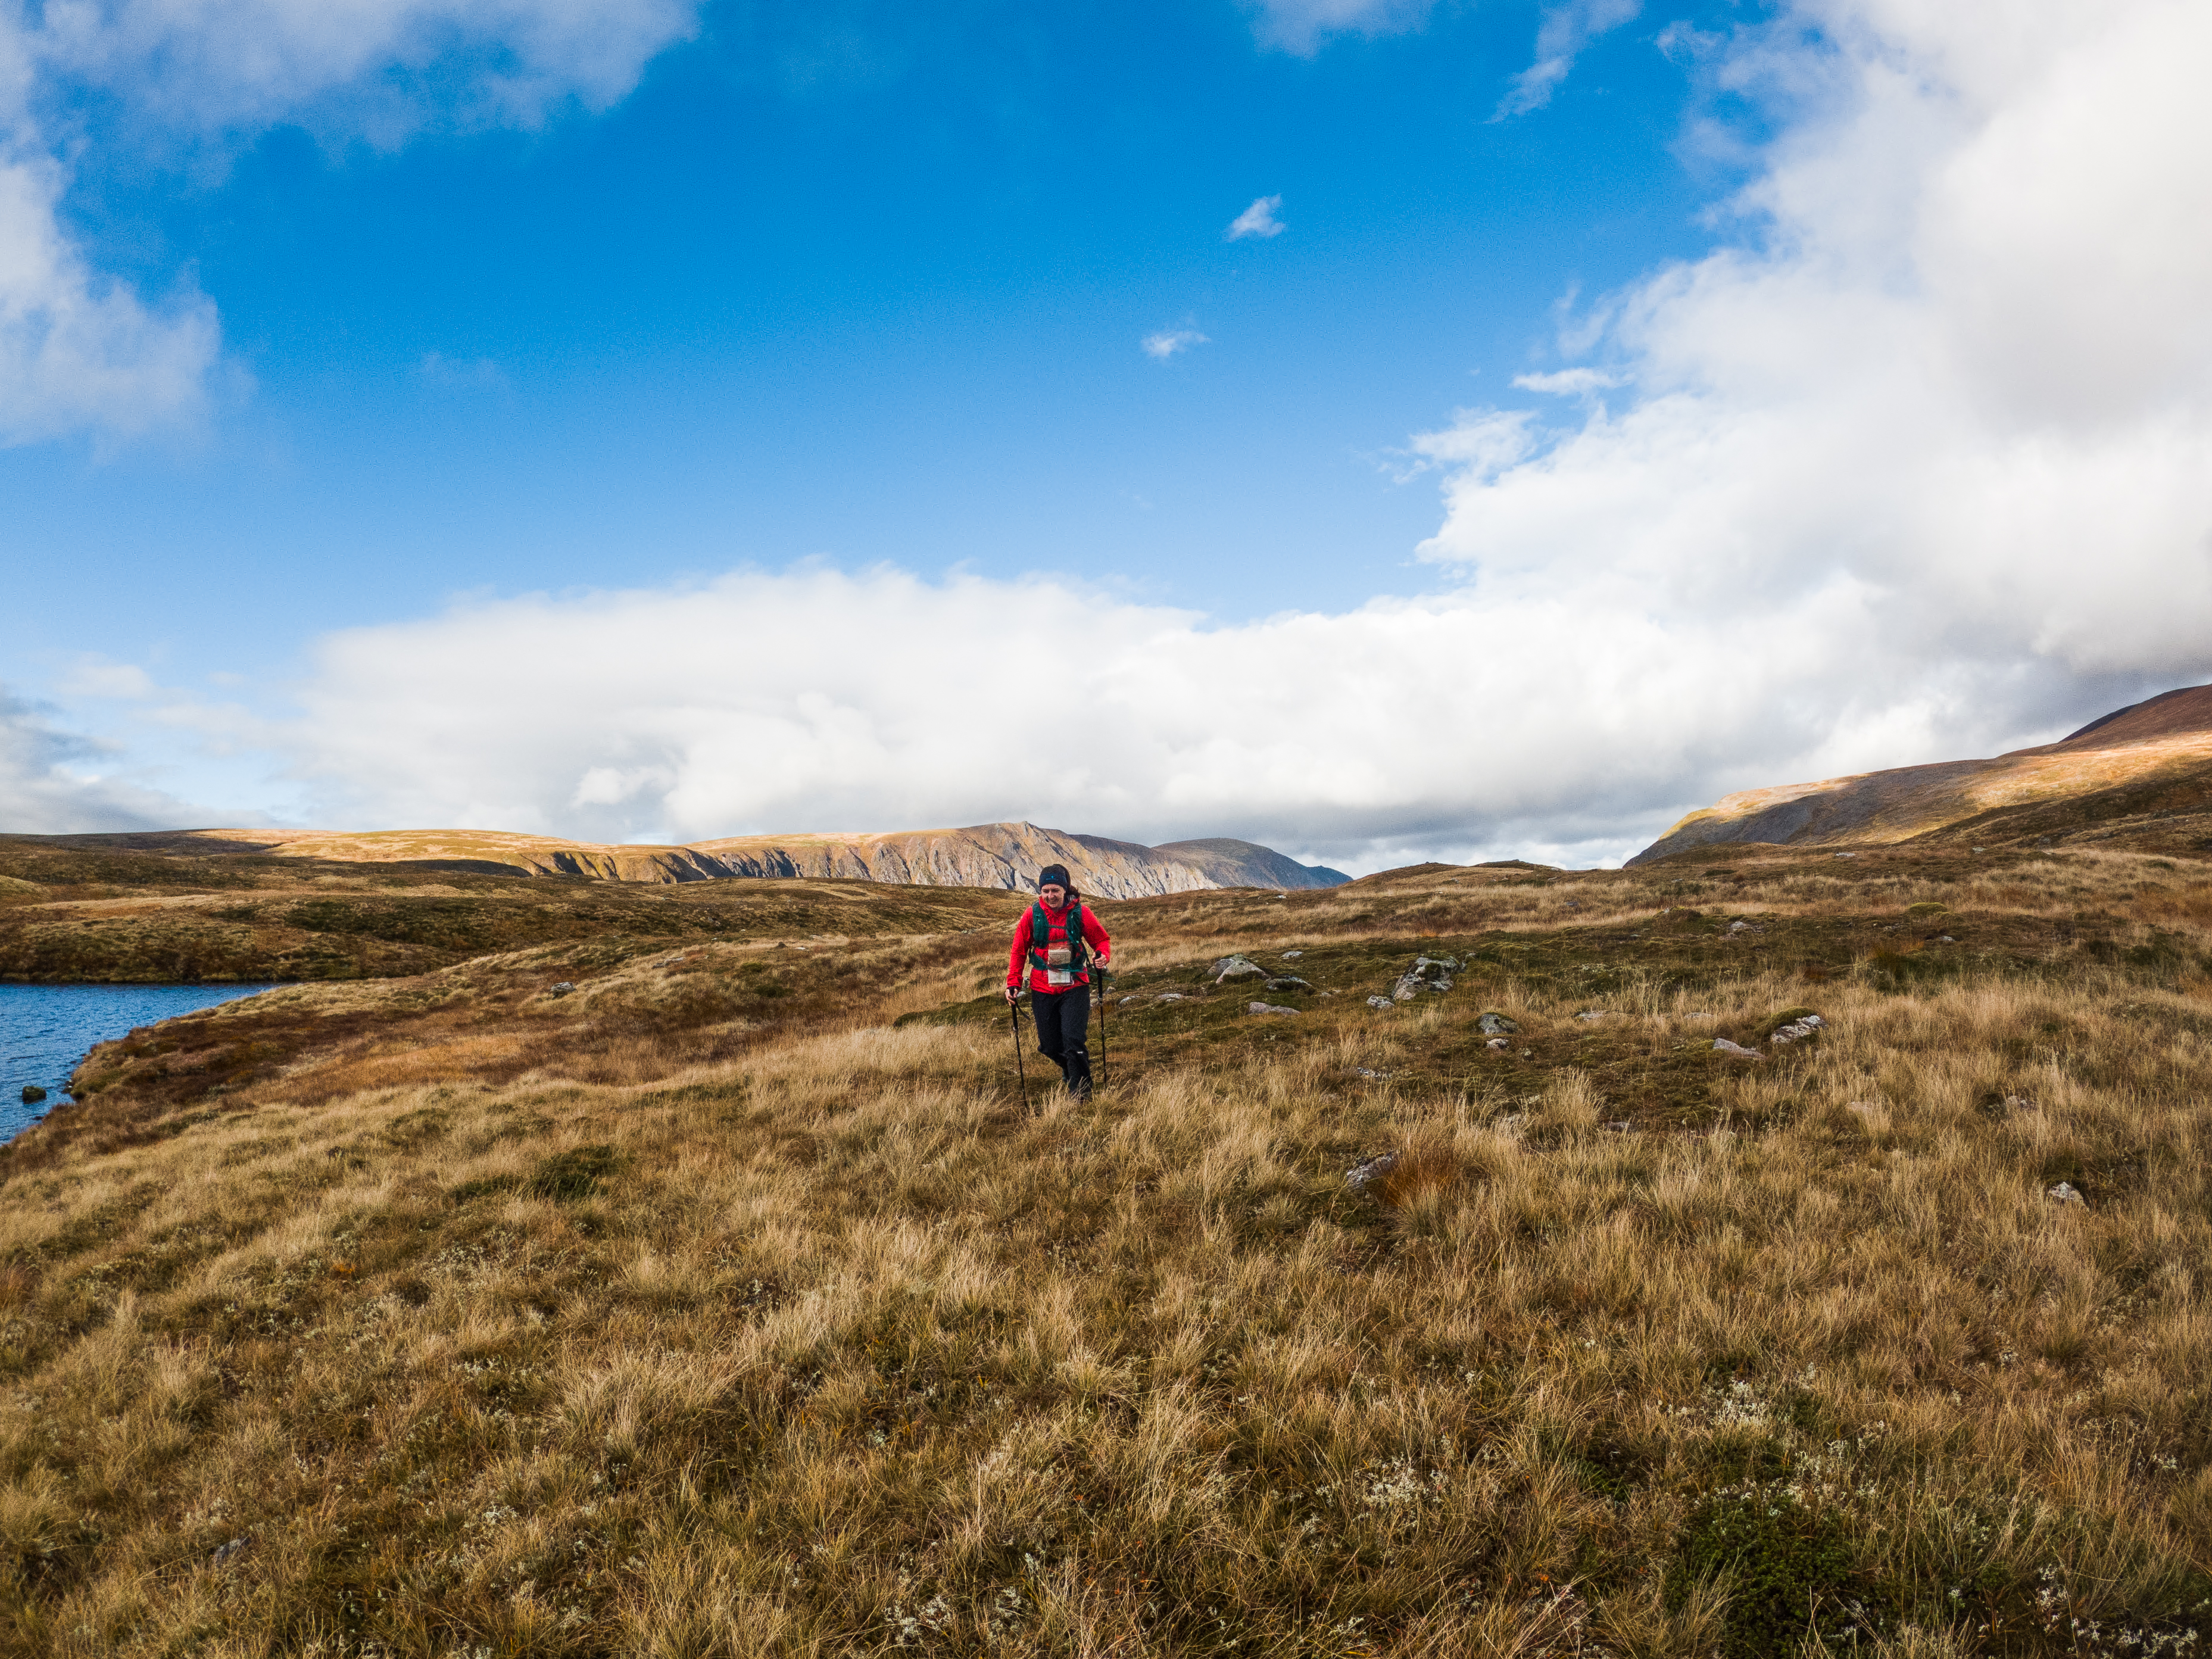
815	1342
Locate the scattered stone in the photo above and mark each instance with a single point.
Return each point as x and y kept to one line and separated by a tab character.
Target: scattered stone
1236	968
1847	855
1734	1050
562	989
2019	1103
1288	982
1361	1176
2064	1192
1171	996
32	1094
1380	1002
1497	1043
1622	1127
1371	1075
1798	1029
1593	1013
1493	1024
1739	926
1267	1008
1947	939
1288	955
231	1551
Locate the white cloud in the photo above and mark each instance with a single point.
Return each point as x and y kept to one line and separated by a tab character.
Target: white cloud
1258	220
1568	382
1169	341
1964	365
80	352
1560	38
55	782
1301	26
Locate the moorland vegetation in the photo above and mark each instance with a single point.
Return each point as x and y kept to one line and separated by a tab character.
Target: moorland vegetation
681	1294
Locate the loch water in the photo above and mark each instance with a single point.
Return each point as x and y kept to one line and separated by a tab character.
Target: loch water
46	1030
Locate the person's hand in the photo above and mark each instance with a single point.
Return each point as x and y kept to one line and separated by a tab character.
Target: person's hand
1013	993
1106	959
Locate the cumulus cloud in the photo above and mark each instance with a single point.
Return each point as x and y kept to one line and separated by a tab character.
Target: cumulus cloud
54	781
80	351
1560	38
1913	467
1958	369
1169	341
1258	220
1301	26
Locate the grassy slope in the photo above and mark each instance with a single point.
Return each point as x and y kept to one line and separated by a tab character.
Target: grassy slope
70	913
709	1309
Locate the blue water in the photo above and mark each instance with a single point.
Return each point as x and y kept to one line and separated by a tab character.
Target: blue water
45	1030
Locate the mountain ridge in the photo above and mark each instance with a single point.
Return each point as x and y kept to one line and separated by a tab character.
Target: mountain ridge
1007	855
2153	757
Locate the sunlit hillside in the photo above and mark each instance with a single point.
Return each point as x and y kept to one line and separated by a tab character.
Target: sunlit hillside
723	1296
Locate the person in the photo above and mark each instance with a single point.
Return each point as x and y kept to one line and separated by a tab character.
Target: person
1052	941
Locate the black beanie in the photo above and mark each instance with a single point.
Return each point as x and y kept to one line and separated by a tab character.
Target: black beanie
1053	873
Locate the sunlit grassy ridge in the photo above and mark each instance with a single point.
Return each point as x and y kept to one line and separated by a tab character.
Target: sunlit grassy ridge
672	1316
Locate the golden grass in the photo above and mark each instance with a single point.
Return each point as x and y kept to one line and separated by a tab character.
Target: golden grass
673	1343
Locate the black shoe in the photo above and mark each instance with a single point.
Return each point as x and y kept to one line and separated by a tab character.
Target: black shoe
1080	1089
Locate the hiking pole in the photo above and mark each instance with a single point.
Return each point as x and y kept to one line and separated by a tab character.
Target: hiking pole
1101	1028
1014	1017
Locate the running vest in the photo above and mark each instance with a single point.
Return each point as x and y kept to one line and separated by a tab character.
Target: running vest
1060	959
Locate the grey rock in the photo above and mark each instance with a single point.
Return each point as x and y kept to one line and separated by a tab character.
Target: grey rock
1288	982
1737	1051
562	989
1361	1176
1493	1024
1797	1030
1371	1075
1497	1043
1237	967
1622	1127
2064	1192
1593	1013
32	1094
1739	926
2019	1103
1290	955
231	1551
1267	1008
1380	1002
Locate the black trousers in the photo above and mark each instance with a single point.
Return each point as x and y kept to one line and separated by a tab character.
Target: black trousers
1063	1025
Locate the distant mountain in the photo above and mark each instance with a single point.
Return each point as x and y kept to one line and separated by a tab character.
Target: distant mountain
1246	864
1004	855
2134	767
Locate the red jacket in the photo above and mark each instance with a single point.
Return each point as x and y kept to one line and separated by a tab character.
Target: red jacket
1096	935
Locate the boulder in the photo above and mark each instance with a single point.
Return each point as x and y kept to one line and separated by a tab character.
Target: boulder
32	1094
1288	982
1493	1024
1237	967
2065	1193
1735	1051
562	989
1267	1008
1380	1002
1798	1029
1498	1044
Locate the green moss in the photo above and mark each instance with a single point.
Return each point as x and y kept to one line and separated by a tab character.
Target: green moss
1788	1572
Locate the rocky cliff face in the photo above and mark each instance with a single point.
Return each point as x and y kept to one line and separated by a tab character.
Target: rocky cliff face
2153	757
1003	855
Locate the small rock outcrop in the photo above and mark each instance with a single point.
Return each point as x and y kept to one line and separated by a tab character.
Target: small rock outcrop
32	1094
1493	1024
1734	1050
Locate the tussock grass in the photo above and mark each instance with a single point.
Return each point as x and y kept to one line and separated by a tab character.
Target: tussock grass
671	1318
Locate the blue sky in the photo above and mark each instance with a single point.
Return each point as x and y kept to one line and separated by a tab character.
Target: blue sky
482	372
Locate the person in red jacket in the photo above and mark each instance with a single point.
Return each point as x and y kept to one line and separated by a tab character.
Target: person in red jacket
1052	941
